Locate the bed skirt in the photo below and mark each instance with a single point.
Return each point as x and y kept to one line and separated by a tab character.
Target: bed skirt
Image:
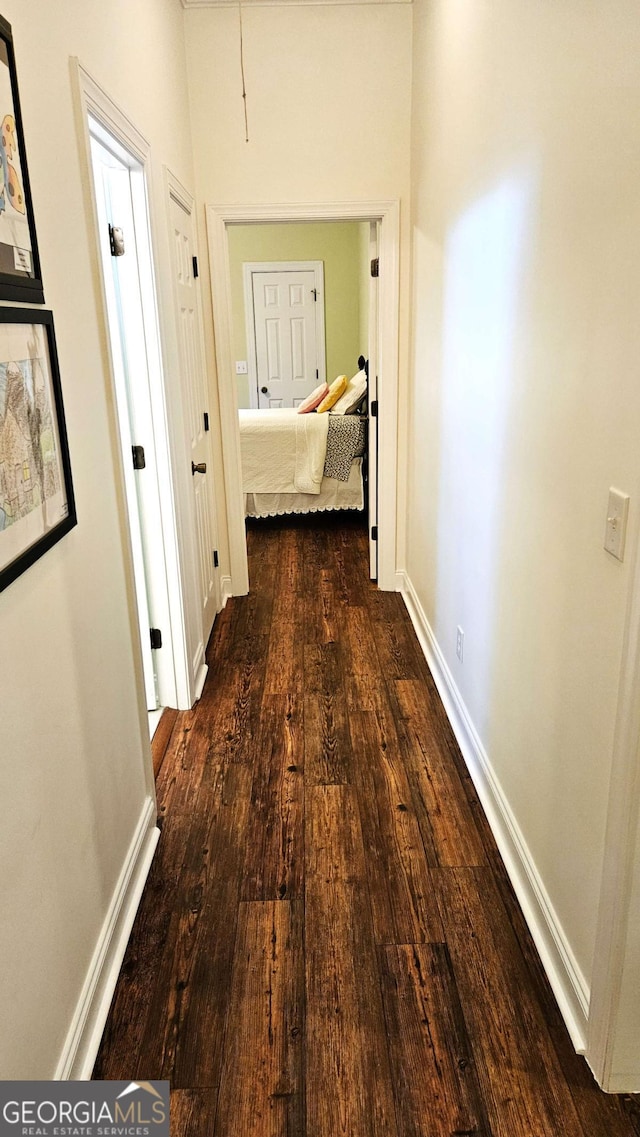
333	494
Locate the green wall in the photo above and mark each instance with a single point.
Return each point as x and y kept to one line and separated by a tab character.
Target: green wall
339	245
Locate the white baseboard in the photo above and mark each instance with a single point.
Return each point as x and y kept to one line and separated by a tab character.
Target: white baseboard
567	981
621	1083
226	591
201	679
83	1039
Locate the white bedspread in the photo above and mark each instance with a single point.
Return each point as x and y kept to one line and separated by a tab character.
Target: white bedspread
282	451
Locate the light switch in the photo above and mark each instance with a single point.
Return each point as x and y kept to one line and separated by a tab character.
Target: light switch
241	367
616	531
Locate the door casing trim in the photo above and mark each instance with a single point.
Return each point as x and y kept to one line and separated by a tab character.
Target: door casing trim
91	99
387	213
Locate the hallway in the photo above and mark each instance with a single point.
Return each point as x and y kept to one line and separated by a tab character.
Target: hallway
328	944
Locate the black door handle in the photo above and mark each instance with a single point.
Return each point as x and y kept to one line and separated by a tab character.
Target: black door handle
198	468
265	390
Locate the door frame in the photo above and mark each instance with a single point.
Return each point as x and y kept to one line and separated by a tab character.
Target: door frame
175	686
126	320
617	945
387	213
248	269
198	667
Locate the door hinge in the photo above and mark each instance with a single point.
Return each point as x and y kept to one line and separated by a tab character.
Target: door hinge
205	416
216	561
194	261
374	532
375	266
374	409
156	638
116	241
317	373
139	461
314	293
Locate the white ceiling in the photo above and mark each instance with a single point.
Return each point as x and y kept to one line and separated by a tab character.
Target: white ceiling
278	3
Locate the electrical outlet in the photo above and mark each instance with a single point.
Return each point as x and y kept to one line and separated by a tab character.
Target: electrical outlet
459	643
241	367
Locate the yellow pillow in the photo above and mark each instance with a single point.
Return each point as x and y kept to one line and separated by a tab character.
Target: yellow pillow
337	388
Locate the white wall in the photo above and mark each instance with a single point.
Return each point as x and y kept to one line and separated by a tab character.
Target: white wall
526	401
73	752
328	95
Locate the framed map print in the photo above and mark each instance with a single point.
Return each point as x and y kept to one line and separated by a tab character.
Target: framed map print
20	277
36	494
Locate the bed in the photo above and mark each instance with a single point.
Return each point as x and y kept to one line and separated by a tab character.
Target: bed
293	463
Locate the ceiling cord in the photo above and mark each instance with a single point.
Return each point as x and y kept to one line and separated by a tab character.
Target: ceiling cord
244	89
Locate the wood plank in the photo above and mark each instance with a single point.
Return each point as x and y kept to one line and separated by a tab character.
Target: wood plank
230	714
316	553
179	776
326	726
262	1083
396	642
222	634
192	1112
290	569
161	738
403	902
363	679
523	1091
185	1029
144	992
284	663
348	1078
440	800
434	1078
350	573
327	625
273	867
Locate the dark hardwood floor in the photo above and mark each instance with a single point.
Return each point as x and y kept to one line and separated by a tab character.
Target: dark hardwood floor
328	943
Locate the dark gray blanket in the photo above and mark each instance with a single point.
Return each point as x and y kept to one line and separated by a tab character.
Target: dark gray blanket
345	441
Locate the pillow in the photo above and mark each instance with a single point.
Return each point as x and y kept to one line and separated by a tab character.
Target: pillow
353	396
314	399
336	389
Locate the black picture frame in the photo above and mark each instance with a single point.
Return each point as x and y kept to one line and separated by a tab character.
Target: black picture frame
20	273
37	506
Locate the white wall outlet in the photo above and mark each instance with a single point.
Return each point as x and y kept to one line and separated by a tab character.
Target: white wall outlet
616	529
459	643
241	367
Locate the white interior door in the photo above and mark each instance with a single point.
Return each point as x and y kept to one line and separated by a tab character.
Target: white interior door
372	396
195	401
128	353
286	336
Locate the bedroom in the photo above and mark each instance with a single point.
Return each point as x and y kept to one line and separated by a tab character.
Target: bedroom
301	296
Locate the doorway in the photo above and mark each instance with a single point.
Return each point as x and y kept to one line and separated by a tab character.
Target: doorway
385	218
165	486
122	246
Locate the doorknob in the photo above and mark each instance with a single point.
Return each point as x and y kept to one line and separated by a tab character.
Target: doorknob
265	390
198	467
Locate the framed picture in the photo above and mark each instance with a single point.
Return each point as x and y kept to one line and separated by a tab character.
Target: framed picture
20	277
36	493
